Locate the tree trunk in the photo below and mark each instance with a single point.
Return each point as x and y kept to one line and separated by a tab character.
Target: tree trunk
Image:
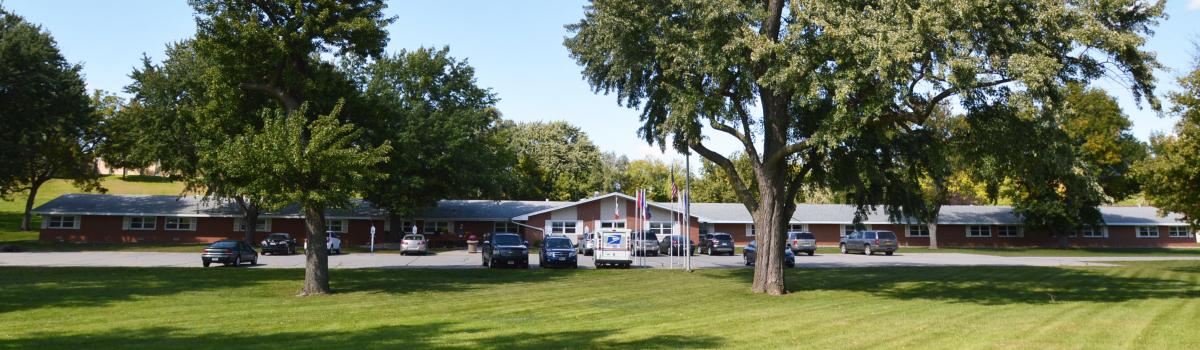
316	257
250	220
1062	241
933	235
27	219
770	222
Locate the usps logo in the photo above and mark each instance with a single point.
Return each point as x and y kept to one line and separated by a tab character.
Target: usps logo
612	240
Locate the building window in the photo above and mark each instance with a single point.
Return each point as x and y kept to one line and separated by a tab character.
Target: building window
1147	231
918	231
139	222
408	227
58	221
612	224
1008	231
437	227
750	231
979	231
660	228
1178	231
1093	232
506	227
180	224
563	227
797	227
848	229
335	225
260	225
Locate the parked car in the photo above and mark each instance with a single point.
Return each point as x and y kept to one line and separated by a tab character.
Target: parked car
229	252
750	254
645	245
673	245
717	243
802	241
557	251
333	242
586	244
414	243
507	249
869	242
278	243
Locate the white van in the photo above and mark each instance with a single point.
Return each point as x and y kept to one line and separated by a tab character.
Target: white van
613	247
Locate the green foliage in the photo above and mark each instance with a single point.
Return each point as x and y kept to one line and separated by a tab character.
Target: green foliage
278	165
555	160
443	128
1170	176
1101	135
713	186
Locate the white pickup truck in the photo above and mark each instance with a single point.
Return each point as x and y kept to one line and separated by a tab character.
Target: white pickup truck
613	247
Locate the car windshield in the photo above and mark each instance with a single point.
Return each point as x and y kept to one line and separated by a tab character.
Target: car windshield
506	240
651	236
277	236
723	237
224	244
887	235
412	238
805	235
558	243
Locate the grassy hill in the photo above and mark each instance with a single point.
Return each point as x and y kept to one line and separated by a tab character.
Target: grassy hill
11	210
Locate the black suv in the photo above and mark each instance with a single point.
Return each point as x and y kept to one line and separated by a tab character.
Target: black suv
279	243
506	248
716	243
557	251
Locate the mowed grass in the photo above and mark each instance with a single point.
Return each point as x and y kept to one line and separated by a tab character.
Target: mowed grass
1148	305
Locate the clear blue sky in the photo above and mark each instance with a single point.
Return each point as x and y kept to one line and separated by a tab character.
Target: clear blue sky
515	47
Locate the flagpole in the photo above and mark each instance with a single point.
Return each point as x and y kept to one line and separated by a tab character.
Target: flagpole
687	204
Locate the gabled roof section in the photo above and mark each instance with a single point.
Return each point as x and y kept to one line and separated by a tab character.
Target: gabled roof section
525	216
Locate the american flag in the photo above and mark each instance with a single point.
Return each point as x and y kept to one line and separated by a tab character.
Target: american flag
645	205
674	188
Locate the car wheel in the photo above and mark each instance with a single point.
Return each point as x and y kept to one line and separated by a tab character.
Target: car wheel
254	262
842	247
810	253
207	263
887	253
237	261
867	250
575	265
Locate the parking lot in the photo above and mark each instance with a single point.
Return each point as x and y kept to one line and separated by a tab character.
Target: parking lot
462	259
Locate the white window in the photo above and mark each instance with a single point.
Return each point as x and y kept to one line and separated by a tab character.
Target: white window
1178	231
1147	231
848	229
336	225
661	228
180	224
59	221
917	231
1008	231
612	224
750	231
1093	232
139	222
506	227
797	227
979	231
260	225
563	227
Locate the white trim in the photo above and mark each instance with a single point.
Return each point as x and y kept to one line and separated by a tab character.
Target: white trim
803	227
566	224
1020	231
127	223
968	234
525	217
750	231
852	227
670	227
237	225
1137	232
345	225
425	227
1103	232
602	222
1187	232
75	222
507	223
191	222
909	228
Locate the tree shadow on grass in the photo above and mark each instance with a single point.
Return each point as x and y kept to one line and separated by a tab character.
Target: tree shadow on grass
986	285
23	288
438	336
146	178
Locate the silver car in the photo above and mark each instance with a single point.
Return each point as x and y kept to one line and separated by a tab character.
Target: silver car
645	245
585	244
414	243
869	242
802	242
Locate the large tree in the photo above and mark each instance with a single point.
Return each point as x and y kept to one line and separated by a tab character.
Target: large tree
276	49
1171	176
555	161
48	124
443	128
843	88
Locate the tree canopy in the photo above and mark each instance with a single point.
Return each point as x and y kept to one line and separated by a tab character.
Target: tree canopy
1170	175
554	160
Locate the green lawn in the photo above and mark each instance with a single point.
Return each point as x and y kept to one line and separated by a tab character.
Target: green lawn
1151	305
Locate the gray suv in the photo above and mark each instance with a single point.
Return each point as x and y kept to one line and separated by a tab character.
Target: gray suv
802	242
647	245
869	242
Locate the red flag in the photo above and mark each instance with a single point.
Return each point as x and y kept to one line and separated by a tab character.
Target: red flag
616	208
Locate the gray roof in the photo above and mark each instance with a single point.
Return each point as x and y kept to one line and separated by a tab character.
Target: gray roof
490	210
133	205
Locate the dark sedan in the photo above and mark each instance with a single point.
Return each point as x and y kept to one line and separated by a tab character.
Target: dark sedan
673	245
506	249
557	251
229	252
750	254
278	243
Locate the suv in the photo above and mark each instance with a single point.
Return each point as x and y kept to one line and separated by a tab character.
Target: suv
586	244
673	244
645	245
278	243
506	248
869	242
802	242
229	252
557	251
333	243
716	243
